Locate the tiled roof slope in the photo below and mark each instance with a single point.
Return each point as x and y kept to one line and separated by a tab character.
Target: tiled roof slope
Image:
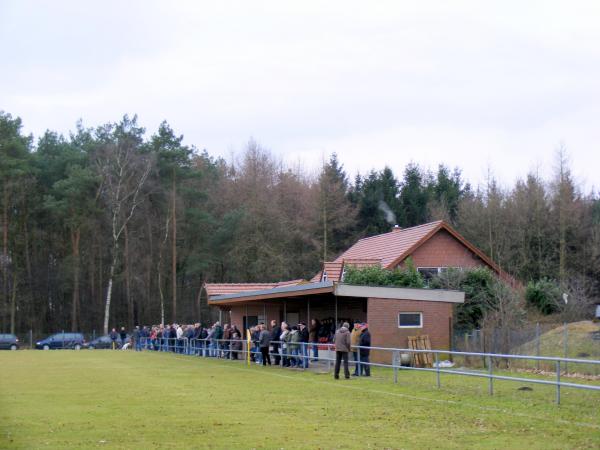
333	270
393	247
390	247
214	289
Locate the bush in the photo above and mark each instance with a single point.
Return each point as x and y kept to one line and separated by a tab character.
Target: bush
544	295
378	276
478	285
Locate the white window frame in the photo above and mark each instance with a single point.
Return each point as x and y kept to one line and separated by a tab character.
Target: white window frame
438	269
411	326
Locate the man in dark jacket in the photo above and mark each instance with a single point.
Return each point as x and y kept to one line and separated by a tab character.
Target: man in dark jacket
275	333
173	338
217	336
342	347
113	338
123	336
365	341
304	344
137	338
264	340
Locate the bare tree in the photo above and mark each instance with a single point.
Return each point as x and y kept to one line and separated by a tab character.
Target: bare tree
124	171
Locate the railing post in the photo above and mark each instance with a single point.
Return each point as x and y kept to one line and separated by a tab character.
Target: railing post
537	345
558	382
437	366
566	339
491	375
395	362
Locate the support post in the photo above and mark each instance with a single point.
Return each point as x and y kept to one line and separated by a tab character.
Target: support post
491	375
558	382
437	369
395	362
537	345
566	345
336	312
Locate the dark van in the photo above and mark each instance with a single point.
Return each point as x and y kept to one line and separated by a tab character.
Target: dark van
9	342
61	340
106	342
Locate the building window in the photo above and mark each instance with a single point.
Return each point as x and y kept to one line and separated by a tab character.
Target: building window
410	320
429	272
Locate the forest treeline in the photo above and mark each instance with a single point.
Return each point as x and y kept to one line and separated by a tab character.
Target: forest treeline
113	225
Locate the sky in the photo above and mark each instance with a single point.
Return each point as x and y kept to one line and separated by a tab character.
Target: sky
475	84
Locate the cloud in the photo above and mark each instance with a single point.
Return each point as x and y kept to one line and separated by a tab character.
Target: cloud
466	83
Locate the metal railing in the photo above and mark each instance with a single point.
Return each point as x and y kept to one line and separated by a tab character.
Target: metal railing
299	355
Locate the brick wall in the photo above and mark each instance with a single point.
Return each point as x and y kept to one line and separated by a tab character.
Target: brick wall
443	250
383	324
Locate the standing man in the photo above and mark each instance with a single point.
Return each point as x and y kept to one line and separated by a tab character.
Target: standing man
365	341
275	333
217	336
264	340
355	339
304	344
226	339
123	335
313	337
342	347
137	339
113	338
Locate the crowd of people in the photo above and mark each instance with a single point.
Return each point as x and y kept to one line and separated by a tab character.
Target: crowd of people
293	346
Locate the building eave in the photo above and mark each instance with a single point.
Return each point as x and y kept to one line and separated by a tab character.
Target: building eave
266	294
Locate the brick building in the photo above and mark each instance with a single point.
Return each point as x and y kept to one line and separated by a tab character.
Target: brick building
393	314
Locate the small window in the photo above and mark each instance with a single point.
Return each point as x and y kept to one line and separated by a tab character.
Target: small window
428	272
410	320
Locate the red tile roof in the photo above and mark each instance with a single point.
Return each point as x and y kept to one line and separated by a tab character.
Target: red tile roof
390	248
333	270
214	289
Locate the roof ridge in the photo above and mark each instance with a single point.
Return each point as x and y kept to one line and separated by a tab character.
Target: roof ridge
402	230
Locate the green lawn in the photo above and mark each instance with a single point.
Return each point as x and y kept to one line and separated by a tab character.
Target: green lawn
90	399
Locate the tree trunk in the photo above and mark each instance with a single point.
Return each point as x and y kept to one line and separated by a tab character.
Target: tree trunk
113	264
75	238
13	303
4	261
324	231
127	282
174	252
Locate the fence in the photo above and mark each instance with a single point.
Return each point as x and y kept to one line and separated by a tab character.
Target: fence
299	355
579	340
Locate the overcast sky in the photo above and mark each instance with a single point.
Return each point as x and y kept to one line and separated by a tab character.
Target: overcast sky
469	84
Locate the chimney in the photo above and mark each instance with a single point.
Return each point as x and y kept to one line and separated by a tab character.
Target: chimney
396	228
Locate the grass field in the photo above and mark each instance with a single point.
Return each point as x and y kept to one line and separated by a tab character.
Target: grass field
106	399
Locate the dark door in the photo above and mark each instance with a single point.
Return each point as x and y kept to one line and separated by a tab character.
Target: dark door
249	322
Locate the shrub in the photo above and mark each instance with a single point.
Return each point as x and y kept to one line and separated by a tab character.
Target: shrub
544	295
478	285
378	276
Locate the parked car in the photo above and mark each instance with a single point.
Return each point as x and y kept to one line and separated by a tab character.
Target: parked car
105	342
9	342
61	340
